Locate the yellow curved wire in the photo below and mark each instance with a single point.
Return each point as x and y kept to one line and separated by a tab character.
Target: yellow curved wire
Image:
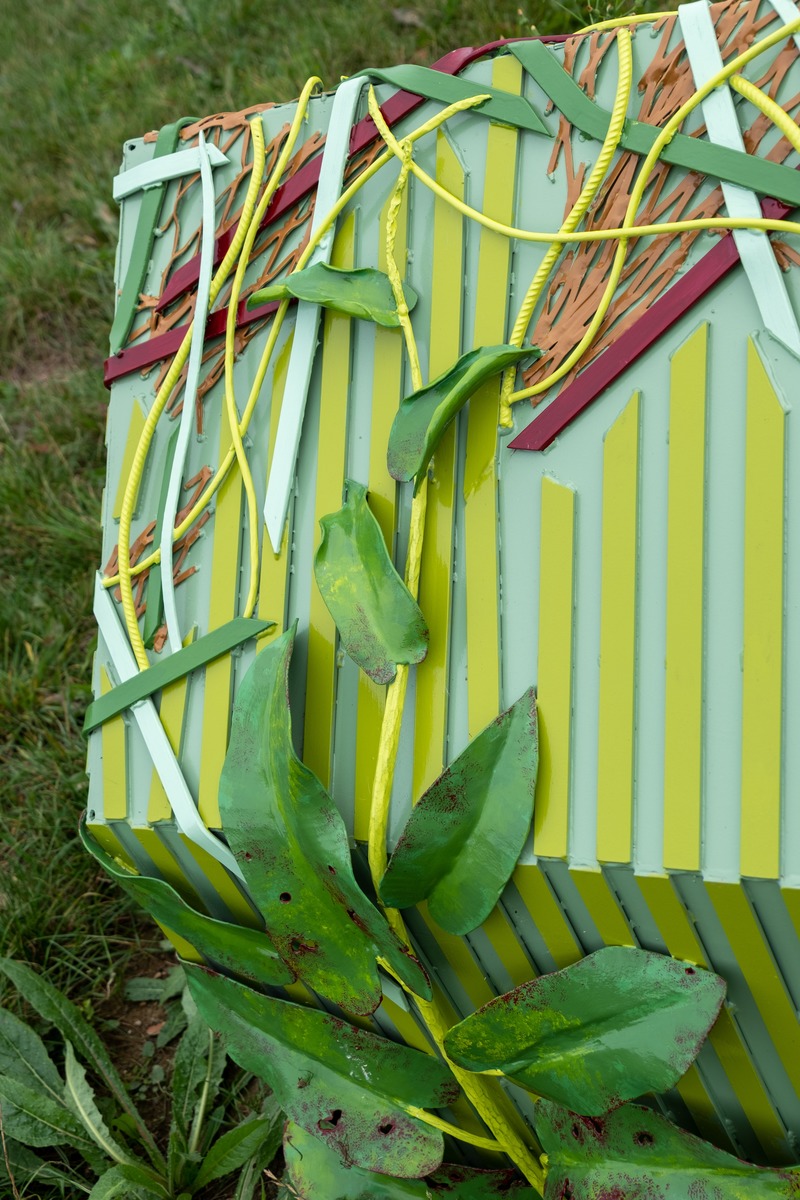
766	105
164	392
213	485
664	137
473	1139
588	193
623	22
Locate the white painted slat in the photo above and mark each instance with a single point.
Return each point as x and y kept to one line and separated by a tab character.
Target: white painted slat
159	170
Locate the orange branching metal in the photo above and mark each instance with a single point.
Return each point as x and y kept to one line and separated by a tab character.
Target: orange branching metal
571	299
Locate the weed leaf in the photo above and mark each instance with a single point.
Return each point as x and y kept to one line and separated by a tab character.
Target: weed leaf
23	1056
619	1023
118	1180
290	841
188	1072
364	293
424	415
314	1171
245	952
636	1152
53	1006
80	1098
35	1120
238	1145
342	1084
378	619
464	836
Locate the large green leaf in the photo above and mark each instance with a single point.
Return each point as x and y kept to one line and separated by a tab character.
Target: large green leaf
23	1056
291	844
424	415
378	619
32	1118
365	293
635	1154
463	838
346	1086
53	1006
234	948
617	1024
319	1174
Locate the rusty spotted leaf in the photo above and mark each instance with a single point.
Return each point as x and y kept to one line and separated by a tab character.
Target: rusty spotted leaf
291	844
379	621
315	1172
635	1152
348	1087
245	952
463	838
424	415
364	293
619	1023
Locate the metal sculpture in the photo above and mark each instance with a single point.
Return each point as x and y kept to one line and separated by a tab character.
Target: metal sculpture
558	686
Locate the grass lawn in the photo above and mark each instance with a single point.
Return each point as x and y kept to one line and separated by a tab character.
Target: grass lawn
78	77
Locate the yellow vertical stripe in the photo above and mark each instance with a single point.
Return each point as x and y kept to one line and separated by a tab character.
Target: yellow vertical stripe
387	392
437	551
111	844
678	933
115	773
503	939
331	453
684	652
480	468
554	688
131	444
458	955
167	866
762	681
618	637
171	711
603	906
547	915
227	525
274	579
762	977
406	1026
223	885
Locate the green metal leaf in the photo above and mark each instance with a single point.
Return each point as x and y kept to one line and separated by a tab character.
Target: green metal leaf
378	619
23	1056
365	293
635	1154
291	843
463	838
424	415
617	1024
56	1008
344	1085
245	952
314	1171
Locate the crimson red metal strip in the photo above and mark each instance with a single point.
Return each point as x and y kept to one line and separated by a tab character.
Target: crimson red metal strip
142	355
682	296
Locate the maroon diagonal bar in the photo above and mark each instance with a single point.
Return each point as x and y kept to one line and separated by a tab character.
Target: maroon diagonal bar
289	194
682	296
144	354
